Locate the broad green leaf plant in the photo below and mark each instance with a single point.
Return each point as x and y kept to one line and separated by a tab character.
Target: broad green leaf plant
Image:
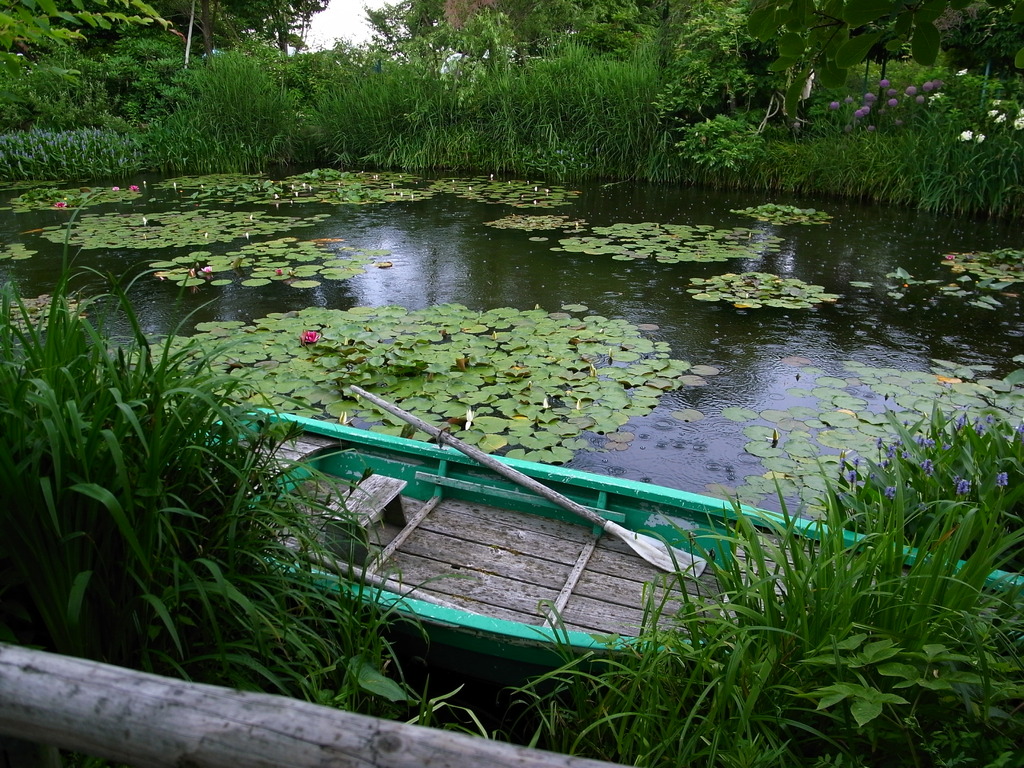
24	23
827	37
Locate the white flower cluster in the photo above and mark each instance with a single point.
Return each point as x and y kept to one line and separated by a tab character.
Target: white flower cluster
1000	116
972	136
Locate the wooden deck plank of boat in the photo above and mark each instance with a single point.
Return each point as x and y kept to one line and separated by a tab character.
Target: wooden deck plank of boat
515	562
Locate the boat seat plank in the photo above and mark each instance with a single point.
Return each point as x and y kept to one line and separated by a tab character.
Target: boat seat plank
306	444
376	497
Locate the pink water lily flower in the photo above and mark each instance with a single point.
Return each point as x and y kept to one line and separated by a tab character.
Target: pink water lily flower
134	188
310	337
60	204
115	189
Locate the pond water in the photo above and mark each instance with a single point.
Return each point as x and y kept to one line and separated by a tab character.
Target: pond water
769	360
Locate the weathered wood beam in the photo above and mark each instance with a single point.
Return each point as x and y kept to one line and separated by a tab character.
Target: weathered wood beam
147	720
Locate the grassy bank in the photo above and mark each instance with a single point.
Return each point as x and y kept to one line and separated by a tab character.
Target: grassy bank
570	115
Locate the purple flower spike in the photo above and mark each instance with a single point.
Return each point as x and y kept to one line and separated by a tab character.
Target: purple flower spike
963	487
911	90
892	102
1002	480
890	492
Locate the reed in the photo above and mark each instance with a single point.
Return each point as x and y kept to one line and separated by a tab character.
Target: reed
236	119
828	652
571	115
145	515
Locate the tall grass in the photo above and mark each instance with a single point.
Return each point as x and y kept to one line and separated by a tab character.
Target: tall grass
571	115
236	118
144	516
826	653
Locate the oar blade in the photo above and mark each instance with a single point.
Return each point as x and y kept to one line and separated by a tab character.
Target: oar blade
658	553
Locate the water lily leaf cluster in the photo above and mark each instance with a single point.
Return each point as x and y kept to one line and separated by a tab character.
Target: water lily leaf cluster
838	418
288	260
196	226
48	197
34	308
16	252
519	194
531	223
753	290
672	243
1005	265
527	383
785	214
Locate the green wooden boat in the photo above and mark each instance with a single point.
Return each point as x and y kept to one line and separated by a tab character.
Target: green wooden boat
504	583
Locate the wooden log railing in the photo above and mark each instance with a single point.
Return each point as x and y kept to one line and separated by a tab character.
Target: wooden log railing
147	720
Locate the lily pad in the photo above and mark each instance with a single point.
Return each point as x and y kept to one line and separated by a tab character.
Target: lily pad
522	375
520	194
194	226
532	223
672	243
785	214
752	290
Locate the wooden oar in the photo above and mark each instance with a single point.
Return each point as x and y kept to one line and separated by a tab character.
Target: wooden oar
652	550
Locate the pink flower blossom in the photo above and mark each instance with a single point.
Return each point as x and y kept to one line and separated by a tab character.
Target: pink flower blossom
115	189
309	337
60	204
134	188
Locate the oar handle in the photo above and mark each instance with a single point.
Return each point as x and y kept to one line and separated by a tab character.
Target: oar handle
485	459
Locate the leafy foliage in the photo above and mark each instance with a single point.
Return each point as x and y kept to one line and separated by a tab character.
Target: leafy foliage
30	22
832	652
836	36
140	492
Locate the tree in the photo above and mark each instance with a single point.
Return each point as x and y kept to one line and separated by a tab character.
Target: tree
24	23
830	36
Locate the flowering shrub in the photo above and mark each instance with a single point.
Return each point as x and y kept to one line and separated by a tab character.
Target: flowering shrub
975	463
887	106
1003	117
85	153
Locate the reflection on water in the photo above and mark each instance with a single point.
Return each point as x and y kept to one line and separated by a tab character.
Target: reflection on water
442	252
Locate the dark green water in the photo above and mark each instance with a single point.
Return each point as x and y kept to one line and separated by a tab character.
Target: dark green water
442	252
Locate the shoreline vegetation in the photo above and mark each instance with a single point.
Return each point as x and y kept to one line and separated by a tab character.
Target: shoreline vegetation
945	142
